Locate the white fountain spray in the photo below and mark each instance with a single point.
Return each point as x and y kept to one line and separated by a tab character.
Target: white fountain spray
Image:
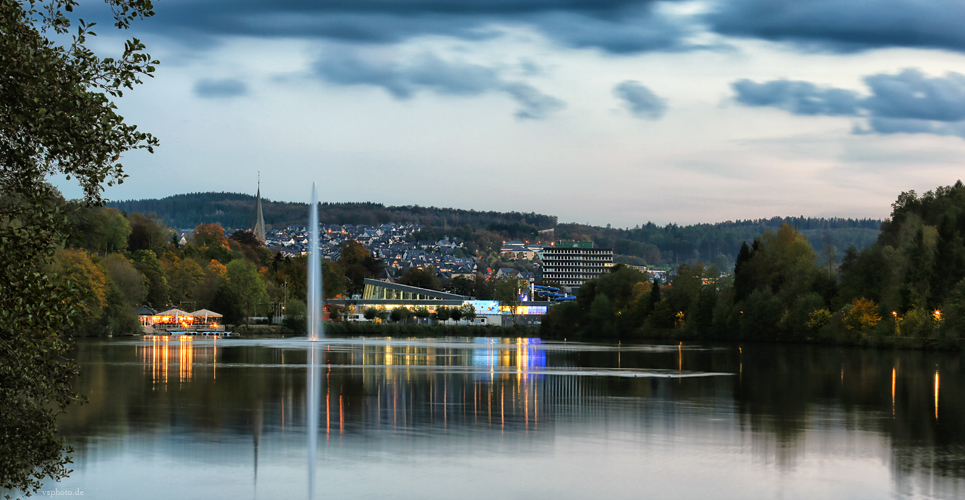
314	273
314	333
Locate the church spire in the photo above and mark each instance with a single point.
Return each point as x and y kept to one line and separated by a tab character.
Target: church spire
258	228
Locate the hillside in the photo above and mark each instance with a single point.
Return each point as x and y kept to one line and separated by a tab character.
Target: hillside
236	211
671	244
648	244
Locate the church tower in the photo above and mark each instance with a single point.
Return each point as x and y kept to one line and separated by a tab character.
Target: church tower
258	228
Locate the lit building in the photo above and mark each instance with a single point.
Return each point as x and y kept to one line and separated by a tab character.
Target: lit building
572	263
385	296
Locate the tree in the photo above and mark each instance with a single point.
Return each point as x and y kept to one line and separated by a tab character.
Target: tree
56	117
462	286
183	276
456	313
861	315
421	312
443	314
399	314
158	293
333	280
75	266
358	263
212	242
370	313
247	287
97	230
147	234
508	292
130	282
468	313
422	277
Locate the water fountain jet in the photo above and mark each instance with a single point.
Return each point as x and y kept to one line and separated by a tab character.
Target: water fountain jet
315	333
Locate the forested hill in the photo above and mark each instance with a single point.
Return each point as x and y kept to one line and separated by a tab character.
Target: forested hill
236	211
648	244
718	242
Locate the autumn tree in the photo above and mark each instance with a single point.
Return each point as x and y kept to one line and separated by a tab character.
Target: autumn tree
212	242
358	264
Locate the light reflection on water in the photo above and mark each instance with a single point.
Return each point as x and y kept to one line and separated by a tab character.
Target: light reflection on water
477	418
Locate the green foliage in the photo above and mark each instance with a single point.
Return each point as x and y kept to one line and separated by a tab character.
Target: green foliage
422	277
333	280
183	277
296	316
399	314
370	313
507	292
56	117
456	313
97	230
919	257
247	287
468	313
919	323
131	283
443	314
147	234
158	292
817	319
76	269
760	315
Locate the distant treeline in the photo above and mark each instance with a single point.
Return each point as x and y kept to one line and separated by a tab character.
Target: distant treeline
718	243
236	211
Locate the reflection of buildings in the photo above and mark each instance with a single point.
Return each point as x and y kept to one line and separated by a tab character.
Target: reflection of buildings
165	354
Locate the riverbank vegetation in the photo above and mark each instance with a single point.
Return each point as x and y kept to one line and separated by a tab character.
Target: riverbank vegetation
910	284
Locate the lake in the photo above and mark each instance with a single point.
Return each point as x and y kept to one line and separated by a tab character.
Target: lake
491	418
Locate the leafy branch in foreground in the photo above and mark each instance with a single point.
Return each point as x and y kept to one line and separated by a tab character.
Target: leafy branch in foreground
56	117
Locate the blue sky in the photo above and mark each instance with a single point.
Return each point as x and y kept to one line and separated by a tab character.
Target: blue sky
606	111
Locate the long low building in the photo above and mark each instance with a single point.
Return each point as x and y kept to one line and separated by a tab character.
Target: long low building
384	295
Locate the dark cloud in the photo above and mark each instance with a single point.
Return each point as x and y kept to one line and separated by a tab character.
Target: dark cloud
640	100
618	26
908	102
800	98
843	26
403	79
211	89
615	26
911	94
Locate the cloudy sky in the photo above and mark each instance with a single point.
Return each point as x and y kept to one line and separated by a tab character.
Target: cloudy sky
598	111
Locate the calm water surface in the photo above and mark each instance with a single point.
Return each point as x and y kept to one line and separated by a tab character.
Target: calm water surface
515	418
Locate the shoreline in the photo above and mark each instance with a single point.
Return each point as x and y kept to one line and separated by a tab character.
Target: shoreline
415	330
